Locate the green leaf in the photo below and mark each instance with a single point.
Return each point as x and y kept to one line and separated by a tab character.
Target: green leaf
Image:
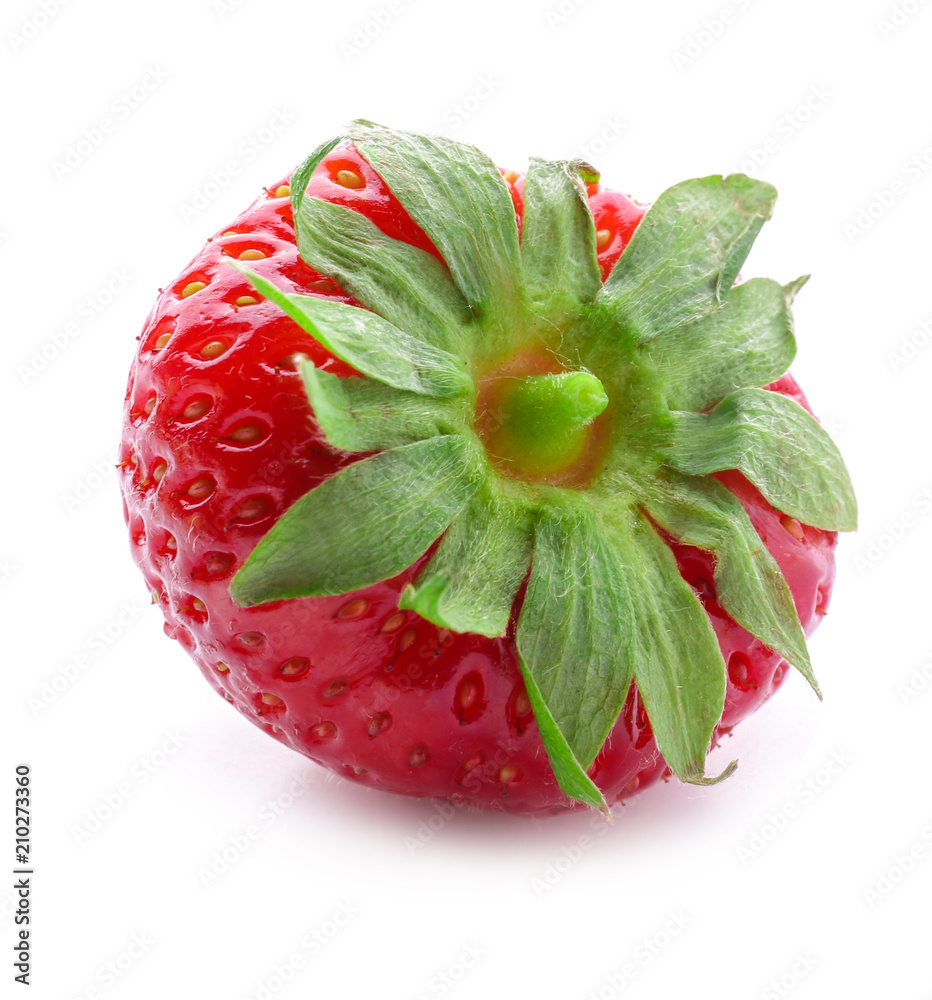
406	285
684	256
558	236
748	581
791	290
779	446
570	774
302	176
360	414
747	341
367	523
458	197
679	668
471	581
575	632
369	343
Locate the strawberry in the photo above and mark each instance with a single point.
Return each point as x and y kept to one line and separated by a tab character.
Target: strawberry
483	486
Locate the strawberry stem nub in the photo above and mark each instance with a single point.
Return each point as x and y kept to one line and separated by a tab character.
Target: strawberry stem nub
540	424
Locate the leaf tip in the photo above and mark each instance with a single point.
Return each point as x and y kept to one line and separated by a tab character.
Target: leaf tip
695	774
792	288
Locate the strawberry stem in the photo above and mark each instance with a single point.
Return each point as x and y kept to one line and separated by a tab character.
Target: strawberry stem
541	423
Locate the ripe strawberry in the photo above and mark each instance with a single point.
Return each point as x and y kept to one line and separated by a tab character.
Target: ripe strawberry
634	535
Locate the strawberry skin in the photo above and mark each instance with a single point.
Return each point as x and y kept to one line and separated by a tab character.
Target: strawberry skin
219	441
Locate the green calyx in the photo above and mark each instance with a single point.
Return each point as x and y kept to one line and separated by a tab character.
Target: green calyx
554	430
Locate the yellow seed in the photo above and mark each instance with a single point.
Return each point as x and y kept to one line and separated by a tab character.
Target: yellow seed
394	622
349	179
162	341
247	433
283	191
793	527
212	350
406	639
252	509
230	232
150	406
192	287
253	254
196	409
602	238
354	609
222	667
245	300
201	488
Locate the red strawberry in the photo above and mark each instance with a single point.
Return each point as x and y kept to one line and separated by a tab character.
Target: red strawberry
634	536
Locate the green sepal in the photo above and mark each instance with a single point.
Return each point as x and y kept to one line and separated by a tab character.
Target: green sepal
678	669
575	631
748	582
458	197
360	414
367	523
471	581
302	176
685	254
747	341
778	446
791	288
402	283
570	774
370	343
558	245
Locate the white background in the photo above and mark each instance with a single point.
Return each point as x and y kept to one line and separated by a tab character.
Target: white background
809	872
